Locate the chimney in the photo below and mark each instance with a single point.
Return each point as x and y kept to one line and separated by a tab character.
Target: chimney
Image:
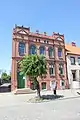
73	44
37	31
45	33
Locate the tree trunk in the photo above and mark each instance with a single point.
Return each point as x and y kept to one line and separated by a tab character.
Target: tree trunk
37	86
38	92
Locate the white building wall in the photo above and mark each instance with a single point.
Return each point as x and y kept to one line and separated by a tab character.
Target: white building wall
73	84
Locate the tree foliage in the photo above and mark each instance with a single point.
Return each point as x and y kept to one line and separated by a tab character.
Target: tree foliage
34	66
5	76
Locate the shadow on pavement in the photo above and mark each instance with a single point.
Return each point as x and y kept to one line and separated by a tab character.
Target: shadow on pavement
51	97
78	93
69	98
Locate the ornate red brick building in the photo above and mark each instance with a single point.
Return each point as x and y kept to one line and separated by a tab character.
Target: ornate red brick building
25	42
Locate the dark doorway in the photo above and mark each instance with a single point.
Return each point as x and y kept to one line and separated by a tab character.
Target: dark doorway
74	75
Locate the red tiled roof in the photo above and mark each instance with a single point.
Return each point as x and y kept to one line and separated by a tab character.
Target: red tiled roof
72	49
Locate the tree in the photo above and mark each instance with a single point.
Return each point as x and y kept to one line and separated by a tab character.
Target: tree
8	77
34	66
5	76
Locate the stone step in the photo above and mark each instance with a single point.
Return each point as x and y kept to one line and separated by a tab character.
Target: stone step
24	91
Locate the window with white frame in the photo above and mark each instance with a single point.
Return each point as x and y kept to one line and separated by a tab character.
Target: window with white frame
51	68
78	60
61	69
72	59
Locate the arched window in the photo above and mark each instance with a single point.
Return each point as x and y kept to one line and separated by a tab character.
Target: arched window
59	52
21	48
32	49
42	50
51	52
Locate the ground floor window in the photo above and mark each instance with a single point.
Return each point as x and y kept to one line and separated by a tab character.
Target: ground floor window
33	86
62	84
43	85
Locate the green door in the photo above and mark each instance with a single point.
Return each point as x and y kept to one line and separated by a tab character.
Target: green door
20	81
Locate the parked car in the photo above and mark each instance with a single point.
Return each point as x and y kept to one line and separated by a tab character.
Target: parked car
6	87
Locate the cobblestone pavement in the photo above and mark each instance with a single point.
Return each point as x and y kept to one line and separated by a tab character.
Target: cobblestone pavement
16	108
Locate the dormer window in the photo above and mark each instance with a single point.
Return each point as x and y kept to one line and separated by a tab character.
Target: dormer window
39	40
46	41
36	40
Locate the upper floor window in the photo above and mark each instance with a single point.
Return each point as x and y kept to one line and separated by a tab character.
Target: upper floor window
39	40
59	52
61	69
47	41
21	48
32	49
78	60
42	50
36	40
51	69
72	59
51	52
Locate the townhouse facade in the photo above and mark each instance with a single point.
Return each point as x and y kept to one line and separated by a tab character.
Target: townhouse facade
25	42
73	65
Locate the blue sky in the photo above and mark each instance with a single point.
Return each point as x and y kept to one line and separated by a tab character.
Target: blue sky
61	16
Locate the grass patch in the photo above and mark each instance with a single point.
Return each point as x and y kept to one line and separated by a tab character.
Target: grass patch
36	100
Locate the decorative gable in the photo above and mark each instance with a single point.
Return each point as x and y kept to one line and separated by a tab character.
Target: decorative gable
22	32
59	38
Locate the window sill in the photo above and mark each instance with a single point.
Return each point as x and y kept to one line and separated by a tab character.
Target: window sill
21	55
61	58
73	64
51	57
52	75
62	75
